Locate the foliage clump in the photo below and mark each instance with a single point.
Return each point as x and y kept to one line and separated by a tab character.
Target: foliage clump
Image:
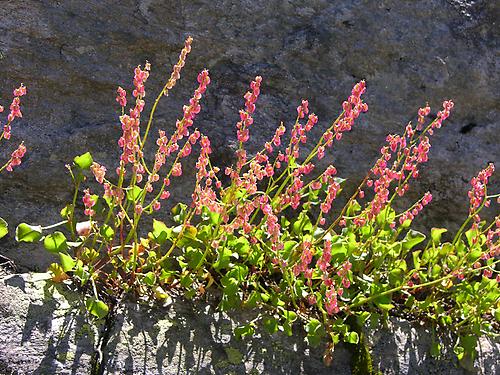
263	231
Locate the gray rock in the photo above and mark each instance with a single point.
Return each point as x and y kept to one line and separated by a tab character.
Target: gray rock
73	54
45	331
189	338
43	328
405	348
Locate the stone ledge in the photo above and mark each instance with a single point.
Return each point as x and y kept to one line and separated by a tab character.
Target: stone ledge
42	334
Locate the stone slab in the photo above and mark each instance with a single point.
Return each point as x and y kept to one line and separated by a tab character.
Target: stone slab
42	328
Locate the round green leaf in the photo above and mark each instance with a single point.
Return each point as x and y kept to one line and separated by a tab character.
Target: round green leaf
67	262
28	233
436	234
3	228
97	307
150	278
55	242
84	161
352	338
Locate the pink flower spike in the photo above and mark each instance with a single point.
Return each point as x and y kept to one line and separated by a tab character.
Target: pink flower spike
16	157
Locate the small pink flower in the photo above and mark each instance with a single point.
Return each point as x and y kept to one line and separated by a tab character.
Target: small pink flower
83	228
21	91
177	170
98	171
121	98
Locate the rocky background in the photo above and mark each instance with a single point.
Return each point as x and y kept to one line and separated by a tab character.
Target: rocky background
72	55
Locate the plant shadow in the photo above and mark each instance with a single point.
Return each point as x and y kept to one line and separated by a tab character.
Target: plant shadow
49	332
190	338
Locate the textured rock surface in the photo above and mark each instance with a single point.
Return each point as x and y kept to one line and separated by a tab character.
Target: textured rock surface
45	335
42	328
72	55
187	339
404	348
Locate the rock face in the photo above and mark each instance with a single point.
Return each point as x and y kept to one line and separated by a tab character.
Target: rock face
45	331
43	328
73	54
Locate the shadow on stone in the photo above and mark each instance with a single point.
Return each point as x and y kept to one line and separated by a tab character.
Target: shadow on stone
44	330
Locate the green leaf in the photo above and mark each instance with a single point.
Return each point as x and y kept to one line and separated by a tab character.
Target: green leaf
436	235
436	349
134	193
150	278
161	232
270	324
97	307
386	216
339	252
28	233
67	211
253	299
315	332
459	351
84	161
244	331
471	234
412	239
224	256
288	247
55	242
302	224
107	232
436	271
352	338
396	276
179	212
362	317
290	316
230	285
3	228
67	262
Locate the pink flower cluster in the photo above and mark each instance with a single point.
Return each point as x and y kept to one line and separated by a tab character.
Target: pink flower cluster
88	202
305	259
246	118
331	302
299	132
331	294
493	240
353	107
190	111
129	141
478	192
121	97
332	190
408	157
276	141
16	157
176	72
15	110
422	113
99	172
410	214
140	78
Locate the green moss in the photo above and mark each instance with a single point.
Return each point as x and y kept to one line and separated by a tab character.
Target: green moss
234	356
362	362
63	357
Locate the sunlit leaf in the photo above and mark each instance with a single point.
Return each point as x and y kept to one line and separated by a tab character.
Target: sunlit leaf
28	233
84	161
